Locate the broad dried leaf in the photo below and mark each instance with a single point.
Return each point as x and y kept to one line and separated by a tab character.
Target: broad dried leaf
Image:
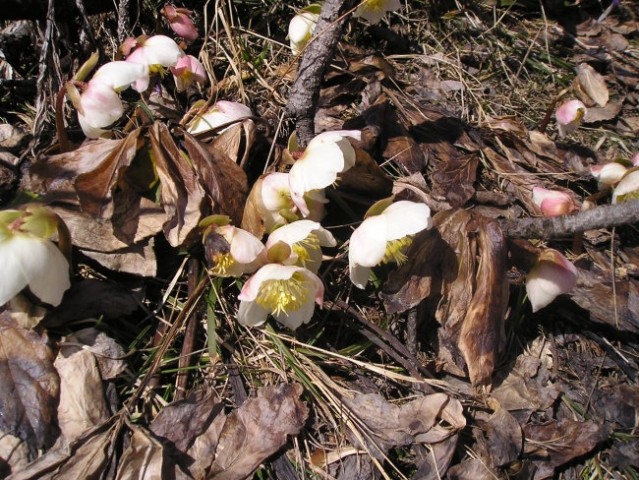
236	141
600	114
11	137
592	84
143	459
137	260
29	385
14	454
558	442
182	196
224	181
454	178
504	438
366	177
82	405
257	429
108	353
95	187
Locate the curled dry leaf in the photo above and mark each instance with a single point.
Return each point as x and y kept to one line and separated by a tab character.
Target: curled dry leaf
591	86
143	459
258	429
29	385
366	176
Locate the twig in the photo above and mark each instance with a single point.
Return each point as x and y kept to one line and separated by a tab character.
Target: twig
598	217
304	94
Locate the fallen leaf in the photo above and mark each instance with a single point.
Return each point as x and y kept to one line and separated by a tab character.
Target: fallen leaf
257	429
592	84
29	385
14	454
366	177
143	458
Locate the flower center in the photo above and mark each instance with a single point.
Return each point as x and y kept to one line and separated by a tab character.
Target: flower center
396	250
223	262
283	296
304	248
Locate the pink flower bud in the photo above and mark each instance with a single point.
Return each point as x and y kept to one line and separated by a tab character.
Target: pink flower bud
552	203
188	70
569	116
180	22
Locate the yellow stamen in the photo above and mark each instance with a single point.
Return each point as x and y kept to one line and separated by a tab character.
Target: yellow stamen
304	248
396	250
283	296
223	262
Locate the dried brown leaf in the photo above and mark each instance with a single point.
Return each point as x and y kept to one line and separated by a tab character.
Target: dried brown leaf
592	84
236	141
137	260
600	114
504	438
257	429
29	384
453	179
95	187
143	459
224	181
181	194
108	353
14	454
366	177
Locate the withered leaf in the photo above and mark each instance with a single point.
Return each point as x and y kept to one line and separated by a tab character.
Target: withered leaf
138	259
257	429
366	176
592	84
453	179
95	187
14	454
29	385
236	141
504	438
600	114
143	459
182	196
224	181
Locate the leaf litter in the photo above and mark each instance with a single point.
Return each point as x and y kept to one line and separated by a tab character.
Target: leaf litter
448	374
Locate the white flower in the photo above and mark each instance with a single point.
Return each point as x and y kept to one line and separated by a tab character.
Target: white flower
569	116
385	237
220	113
325	157
305	239
29	258
156	53
287	292
188	70
609	173
301	29
552	275
628	187
271	197
373	10
240	253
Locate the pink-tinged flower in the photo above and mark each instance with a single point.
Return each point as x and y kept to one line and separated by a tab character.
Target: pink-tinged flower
609	173
635	160
286	292
99	104
374	10
552	275
301	29
239	252
325	157
385	237
220	113
29	258
188	70
552	203
180	22
305	239
569	116
628	187
271	197
158	53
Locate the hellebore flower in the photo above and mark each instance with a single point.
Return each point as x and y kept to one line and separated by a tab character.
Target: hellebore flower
99	105
569	116
157	53
180	22
609	173
188	70
628	187
301	29
552	275
270	198
29	258
385	237
325	157
305	240
230	251
221	112
552	203
287	292
373	10
635	160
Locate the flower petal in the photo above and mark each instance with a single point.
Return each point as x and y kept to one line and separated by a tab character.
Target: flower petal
552	275
119	75
54	280
368	242
251	314
406	218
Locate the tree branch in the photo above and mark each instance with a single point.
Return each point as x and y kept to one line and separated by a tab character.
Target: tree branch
552	227
319	51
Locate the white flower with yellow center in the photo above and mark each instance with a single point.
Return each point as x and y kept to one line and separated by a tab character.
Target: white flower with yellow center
232	252
374	10
305	239
29	258
385	237
220	113
287	292
301	29
325	157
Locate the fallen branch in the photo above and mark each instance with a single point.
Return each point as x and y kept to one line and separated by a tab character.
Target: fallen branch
319	51
551	227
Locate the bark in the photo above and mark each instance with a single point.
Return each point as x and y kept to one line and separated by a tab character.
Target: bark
599	217
37	9
318	53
